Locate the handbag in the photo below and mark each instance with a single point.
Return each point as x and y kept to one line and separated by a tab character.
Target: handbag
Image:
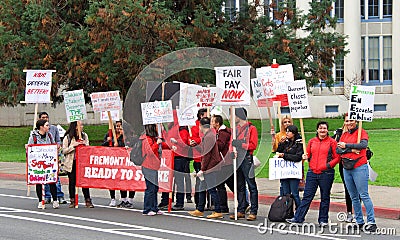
349	163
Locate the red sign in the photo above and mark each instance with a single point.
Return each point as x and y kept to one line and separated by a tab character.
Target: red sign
111	168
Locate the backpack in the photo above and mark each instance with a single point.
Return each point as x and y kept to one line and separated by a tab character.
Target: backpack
136	155
281	209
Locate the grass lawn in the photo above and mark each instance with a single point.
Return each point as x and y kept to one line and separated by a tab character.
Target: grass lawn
383	133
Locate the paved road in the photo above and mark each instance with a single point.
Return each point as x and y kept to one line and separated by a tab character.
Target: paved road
20	219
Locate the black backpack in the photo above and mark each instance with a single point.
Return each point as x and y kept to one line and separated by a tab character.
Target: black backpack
281	209
136	155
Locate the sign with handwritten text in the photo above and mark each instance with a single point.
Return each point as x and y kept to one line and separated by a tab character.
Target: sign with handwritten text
298	99
42	163
279	168
106	101
186	117
38	86
279	77
235	84
75	105
157	112
266	82
361	106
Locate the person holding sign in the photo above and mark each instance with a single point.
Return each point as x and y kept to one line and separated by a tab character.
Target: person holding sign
322	159
352	149
109	141
291	150
281	135
70	142
150	167
246	142
41	135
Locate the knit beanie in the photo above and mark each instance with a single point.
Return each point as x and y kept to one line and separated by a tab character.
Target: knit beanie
241	113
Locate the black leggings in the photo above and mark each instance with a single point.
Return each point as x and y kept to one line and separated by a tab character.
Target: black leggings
123	194
349	204
72	184
53	191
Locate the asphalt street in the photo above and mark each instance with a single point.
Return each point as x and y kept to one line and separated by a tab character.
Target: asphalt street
20	219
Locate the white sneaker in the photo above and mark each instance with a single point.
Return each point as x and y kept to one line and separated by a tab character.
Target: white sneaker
349	217
56	204
113	203
151	213
40	205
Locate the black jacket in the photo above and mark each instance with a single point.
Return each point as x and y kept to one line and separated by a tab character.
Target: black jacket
292	150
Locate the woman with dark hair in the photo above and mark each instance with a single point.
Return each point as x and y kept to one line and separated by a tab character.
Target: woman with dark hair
291	150
41	135
70	142
150	166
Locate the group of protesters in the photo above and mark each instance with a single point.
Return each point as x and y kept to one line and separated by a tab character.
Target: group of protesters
214	147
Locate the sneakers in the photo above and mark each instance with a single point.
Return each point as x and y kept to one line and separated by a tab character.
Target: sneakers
370	228
251	217
128	205
151	213
323	224
40	205
177	208
189	200
159	212
56	204
61	200
47	201
196	213
121	205
163	206
349	218
292	221
239	216
113	203
215	215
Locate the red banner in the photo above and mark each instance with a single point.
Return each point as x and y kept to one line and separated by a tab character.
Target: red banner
111	168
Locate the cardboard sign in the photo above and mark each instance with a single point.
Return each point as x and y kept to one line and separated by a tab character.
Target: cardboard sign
265	81
361	107
298	99
187	98
111	168
106	101
75	106
114	115
235	84
157	112
279	168
279	77
207	96
186	117
42	163
38	86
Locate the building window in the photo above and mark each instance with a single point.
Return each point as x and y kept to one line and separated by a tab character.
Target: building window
230	10
362	9
339	71
387	8
339	9
380	107
387	58
373	8
332	109
373	58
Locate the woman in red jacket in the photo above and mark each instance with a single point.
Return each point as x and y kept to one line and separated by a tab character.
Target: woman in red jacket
150	166
322	157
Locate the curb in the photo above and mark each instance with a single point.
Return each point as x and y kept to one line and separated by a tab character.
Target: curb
380	212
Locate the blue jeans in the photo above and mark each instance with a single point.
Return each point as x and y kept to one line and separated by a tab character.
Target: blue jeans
291	186
324	181
245	174
357	185
150	194
209	183
179	167
59	191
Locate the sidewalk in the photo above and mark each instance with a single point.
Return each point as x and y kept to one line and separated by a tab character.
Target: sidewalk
385	199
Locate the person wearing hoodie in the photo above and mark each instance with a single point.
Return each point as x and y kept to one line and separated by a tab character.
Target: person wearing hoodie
322	157
291	150
41	135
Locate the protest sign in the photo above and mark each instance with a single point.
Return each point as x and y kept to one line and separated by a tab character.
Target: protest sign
38	86
279	168
235	84
361	107
114	114
106	101
156	92
186	117
42	163
279	77
265	81
75	105
111	168
207	96
298	99
157	112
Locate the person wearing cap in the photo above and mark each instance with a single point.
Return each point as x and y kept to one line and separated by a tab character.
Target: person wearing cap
291	150
245	143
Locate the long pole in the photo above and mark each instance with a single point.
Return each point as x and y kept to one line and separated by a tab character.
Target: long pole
111	127
233	125
35	117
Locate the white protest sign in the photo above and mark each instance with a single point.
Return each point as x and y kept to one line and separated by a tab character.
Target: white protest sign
207	96
75	105
106	101
187	96
361	107
186	117
38	86
298	99
235	84
264	75
279	168
42	161
278	76
157	112
114	115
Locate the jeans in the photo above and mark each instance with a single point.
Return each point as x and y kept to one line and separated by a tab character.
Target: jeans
245	174
291	186
324	181
150	194
225	177
179	167
210	179
357	184
60	193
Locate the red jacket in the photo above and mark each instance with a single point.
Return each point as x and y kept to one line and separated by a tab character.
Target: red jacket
181	135
351	137
319	152
250	136
196	136
150	150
